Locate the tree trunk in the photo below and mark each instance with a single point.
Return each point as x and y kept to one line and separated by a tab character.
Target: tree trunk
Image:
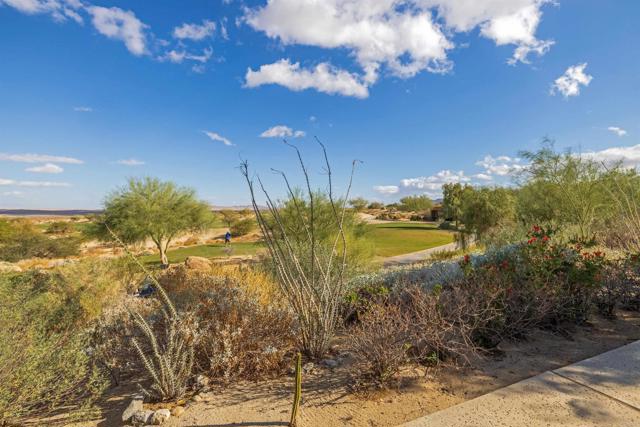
164	260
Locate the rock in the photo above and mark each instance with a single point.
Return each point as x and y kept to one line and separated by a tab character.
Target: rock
176	411
142	417
7	267
308	368
160	416
202	382
197	263
134	406
197	398
330	363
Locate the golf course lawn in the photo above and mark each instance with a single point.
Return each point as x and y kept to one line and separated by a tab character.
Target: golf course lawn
389	239
206	251
397	238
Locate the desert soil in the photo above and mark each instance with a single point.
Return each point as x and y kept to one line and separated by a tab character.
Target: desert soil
329	401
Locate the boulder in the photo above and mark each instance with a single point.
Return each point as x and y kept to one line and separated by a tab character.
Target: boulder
160	416
176	411
142	417
7	267
197	263
134	406
330	363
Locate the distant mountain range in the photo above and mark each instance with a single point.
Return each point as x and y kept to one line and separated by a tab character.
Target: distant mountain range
48	212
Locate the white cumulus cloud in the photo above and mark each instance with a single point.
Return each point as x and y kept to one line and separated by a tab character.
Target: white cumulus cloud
628	157
46	168
570	82
122	25
501	165
60	10
405	37
617	130
195	31
217	137
323	78
282	131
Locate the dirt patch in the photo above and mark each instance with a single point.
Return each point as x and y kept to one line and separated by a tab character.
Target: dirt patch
327	400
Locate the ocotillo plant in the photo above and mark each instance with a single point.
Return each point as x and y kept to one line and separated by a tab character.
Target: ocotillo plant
311	270
297	392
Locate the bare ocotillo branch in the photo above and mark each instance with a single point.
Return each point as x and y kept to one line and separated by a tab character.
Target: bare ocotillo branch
307	276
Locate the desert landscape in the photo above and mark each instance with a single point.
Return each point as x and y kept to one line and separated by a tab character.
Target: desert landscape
312	213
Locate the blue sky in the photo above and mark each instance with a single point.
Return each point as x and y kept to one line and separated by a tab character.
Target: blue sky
422	91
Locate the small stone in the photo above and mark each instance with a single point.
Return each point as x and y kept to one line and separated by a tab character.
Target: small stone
134	406
176	411
142	417
308	367
160	416
202	381
330	363
197	398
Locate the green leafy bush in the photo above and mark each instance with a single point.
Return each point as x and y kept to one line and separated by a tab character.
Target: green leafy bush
60	227
44	363
243	226
21	240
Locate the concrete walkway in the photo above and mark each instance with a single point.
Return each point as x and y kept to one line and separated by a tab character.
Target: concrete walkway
414	257
601	391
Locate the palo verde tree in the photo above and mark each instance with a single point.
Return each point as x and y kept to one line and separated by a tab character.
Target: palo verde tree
564	189
148	208
453	194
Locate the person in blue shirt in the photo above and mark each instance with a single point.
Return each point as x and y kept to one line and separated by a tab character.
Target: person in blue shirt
227	238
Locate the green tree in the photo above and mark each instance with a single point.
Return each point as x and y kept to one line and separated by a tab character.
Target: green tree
452	200
151	209
485	208
415	203
563	189
359	204
229	216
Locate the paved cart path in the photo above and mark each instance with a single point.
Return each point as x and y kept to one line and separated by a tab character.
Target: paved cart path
601	391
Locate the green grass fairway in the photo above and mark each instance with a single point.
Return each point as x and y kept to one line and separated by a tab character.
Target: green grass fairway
397	238
206	251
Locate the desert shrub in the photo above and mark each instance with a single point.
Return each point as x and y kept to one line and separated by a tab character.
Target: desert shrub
620	286
445	321
360	299
243	226
245	331
240	337
191	241
358	204
21	240
110	339
60	227
375	205
380	344
389	216
44	363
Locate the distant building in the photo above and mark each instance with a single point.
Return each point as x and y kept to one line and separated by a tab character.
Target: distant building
437	212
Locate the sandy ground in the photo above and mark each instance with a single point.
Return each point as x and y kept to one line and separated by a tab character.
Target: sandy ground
328	401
